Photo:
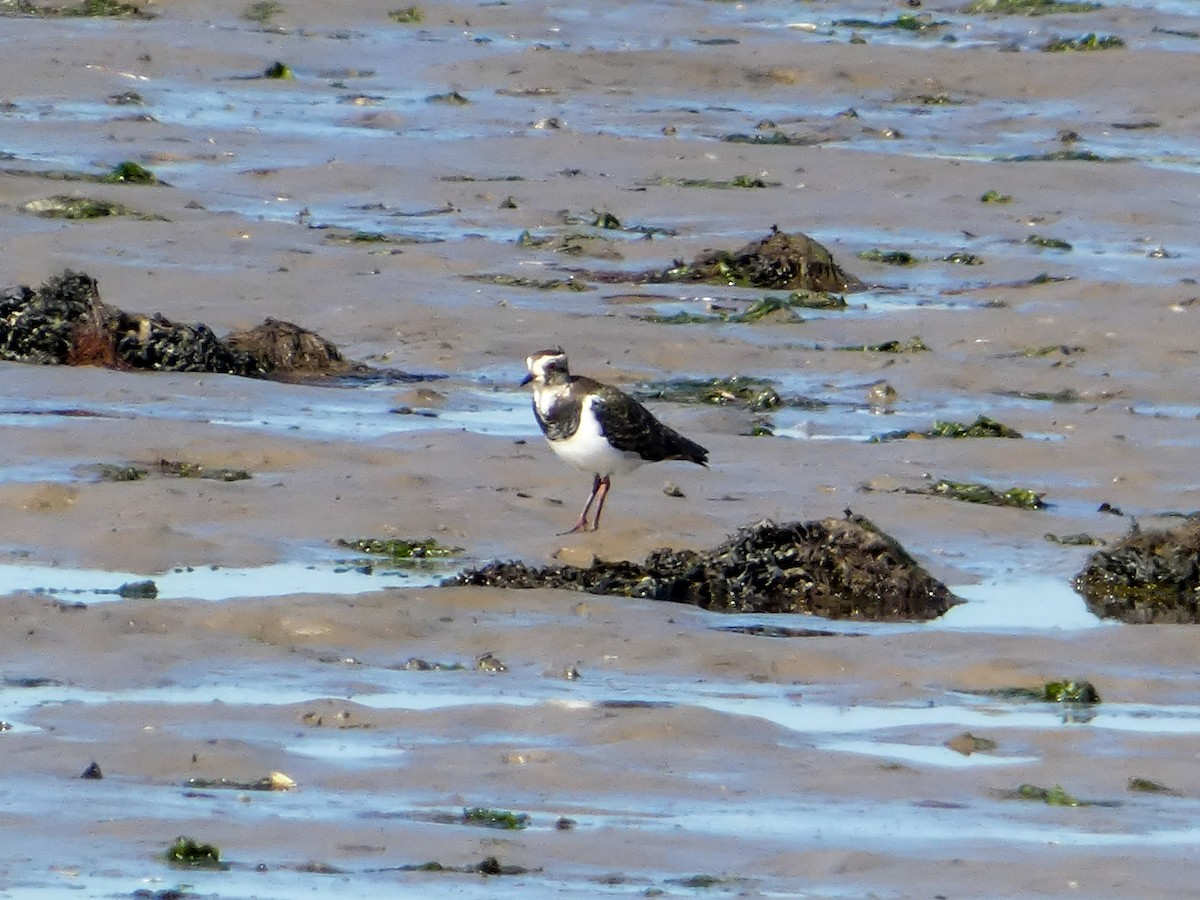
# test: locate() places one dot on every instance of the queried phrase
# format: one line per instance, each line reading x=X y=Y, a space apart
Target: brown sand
x=800 y=817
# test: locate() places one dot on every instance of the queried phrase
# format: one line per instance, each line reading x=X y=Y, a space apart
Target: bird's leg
x=602 y=492
x=581 y=525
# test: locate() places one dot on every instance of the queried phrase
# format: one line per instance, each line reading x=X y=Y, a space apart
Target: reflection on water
x=216 y=582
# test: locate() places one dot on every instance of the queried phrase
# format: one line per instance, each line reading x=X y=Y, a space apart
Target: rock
x=780 y=261
x=838 y=568
x=284 y=347
x=1147 y=576
x=65 y=322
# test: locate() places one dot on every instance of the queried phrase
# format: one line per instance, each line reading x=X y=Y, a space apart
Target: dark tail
x=686 y=449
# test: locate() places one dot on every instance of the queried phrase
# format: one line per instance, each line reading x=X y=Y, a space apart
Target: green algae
x=1029 y=7
x=765 y=309
x=939 y=99
x=970 y=492
x=602 y=218
x=61 y=206
x=912 y=345
x=279 y=70
x=129 y=172
x=126 y=98
x=1089 y=41
x=119 y=473
x=188 y=853
x=736 y=182
x=450 y=98
x=775 y=138
x=1149 y=786
x=486 y=662
x=1175 y=32
x=185 y=469
x=1066 y=395
x=138 y=590
x=758 y=394
x=1048 y=243
x=358 y=236
x=537 y=284
x=889 y=257
x=495 y=818
x=699 y=881
x=88 y=9
x=398 y=549
x=779 y=261
x=408 y=15
x=570 y=243
x=993 y=196
x=827 y=300
x=904 y=22
x=1076 y=539
x=1070 y=690
x=962 y=258
x=262 y=11
x=480 y=179
x=1038 y=352
x=982 y=427
x=1055 y=796
x=417 y=664
x=276 y=781
x=1062 y=156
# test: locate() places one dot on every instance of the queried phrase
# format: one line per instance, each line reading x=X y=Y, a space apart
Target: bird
x=598 y=428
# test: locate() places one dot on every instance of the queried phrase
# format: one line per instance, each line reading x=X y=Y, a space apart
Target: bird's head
x=547 y=367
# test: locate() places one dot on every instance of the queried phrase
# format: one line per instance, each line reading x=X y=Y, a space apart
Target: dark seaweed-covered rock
x=1148 y=576
x=65 y=322
x=284 y=347
x=155 y=342
x=779 y=261
x=40 y=325
x=839 y=568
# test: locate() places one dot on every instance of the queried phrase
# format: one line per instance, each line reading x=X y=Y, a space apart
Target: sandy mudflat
x=778 y=766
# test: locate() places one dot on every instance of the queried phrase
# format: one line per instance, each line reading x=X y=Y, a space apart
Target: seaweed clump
x=1148 y=576
x=284 y=347
x=839 y=568
x=65 y=322
x=186 y=852
x=89 y=9
x=780 y=261
x=1030 y=7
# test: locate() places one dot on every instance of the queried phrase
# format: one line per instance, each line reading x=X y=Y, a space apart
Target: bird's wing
x=631 y=427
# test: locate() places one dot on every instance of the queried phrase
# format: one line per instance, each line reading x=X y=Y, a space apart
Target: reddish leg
x=605 y=484
x=581 y=525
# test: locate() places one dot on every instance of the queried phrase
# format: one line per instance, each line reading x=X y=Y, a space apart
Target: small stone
x=575 y=556
x=967 y=743
x=881 y=394
x=671 y=489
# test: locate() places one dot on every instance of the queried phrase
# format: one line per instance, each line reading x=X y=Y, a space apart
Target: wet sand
x=804 y=766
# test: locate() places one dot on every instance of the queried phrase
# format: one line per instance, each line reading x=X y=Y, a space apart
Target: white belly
x=590 y=450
